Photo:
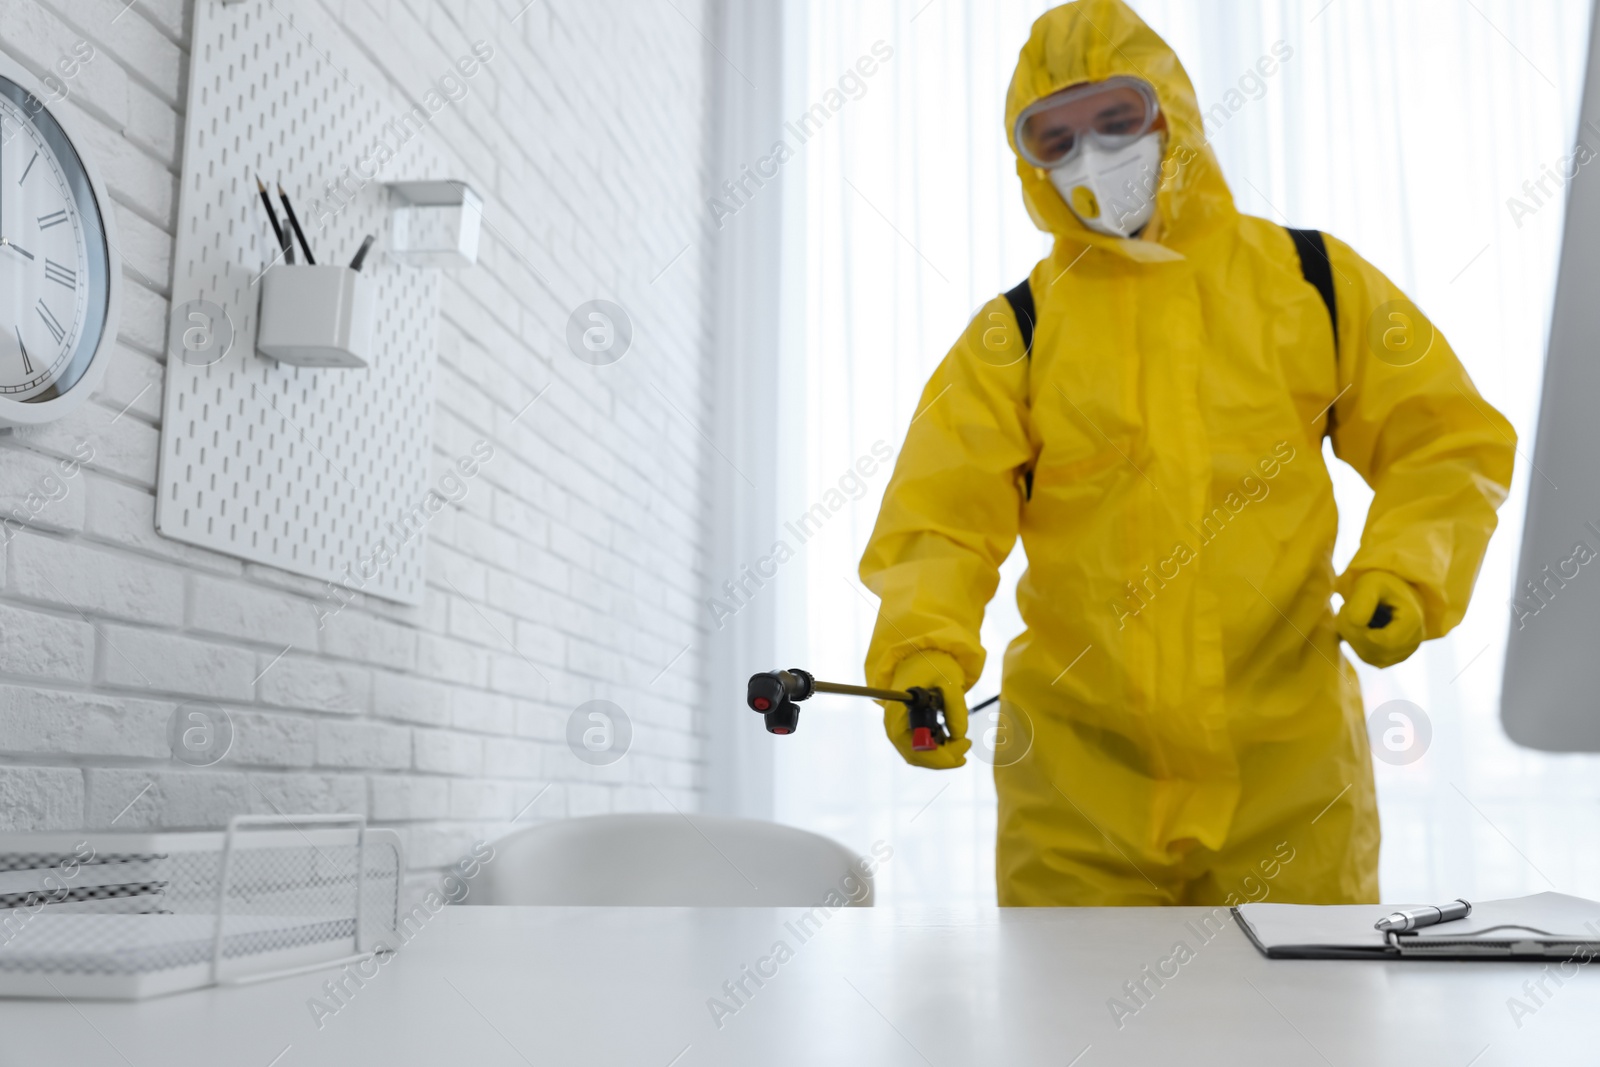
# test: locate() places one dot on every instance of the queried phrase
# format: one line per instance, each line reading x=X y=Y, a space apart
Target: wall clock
x=60 y=275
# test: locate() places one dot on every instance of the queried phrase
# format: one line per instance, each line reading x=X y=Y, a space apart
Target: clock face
x=53 y=258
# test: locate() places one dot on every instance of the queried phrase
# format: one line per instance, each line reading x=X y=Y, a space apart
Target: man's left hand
x=1382 y=618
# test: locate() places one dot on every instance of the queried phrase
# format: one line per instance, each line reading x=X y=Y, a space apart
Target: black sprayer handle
x=927 y=719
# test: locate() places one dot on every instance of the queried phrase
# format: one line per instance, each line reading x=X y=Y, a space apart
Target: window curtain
x=1407 y=130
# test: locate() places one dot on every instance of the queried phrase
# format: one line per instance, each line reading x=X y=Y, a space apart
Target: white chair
x=671 y=860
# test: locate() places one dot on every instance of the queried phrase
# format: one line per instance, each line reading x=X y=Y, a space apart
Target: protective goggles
x=1116 y=112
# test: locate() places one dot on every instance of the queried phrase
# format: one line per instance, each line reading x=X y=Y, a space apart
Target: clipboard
x=1543 y=926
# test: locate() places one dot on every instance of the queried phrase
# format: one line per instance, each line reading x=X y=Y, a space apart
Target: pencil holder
x=316 y=316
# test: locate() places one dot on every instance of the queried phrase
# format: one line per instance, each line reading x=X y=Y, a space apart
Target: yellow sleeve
x=1437 y=455
x=950 y=513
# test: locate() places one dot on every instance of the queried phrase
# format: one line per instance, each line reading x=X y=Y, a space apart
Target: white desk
x=487 y=987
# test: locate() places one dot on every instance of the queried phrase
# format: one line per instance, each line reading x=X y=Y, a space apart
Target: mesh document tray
x=133 y=915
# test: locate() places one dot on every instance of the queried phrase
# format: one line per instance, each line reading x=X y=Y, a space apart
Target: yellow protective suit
x=1198 y=736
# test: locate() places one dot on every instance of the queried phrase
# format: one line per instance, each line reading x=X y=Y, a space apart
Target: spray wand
x=777 y=695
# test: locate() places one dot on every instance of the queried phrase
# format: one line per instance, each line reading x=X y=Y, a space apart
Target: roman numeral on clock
x=55 y=218
x=56 y=329
x=55 y=272
x=27 y=367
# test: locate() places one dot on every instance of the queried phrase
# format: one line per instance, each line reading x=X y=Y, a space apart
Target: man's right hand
x=930 y=670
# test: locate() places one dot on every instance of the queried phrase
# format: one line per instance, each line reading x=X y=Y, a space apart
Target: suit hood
x=1091 y=40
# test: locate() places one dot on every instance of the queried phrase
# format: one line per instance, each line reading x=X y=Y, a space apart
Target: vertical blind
x=1406 y=130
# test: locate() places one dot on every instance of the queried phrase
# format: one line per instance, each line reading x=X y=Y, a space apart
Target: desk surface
x=513 y=986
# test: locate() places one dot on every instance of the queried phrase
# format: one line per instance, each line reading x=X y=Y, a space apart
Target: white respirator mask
x=1112 y=190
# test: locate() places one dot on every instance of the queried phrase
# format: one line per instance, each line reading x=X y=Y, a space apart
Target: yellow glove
x=1382 y=618
x=930 y=670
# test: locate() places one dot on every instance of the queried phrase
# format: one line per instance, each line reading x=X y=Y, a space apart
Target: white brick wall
x=571 y=569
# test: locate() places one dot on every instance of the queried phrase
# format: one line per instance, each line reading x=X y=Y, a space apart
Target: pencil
x=272 y=217
x=361 y=253
x=288 y=210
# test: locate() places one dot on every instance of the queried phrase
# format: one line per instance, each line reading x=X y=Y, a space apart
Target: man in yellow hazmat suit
x=1147 y=413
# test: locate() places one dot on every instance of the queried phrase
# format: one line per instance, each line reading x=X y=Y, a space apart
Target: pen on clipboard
x=288 y=210
x=1416 y=918
x=277 y=228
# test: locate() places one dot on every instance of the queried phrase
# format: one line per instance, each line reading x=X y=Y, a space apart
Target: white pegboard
x=310 y=470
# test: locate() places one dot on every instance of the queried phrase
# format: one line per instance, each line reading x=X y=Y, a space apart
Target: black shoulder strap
x=1318 y=270
x=1021 y=301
